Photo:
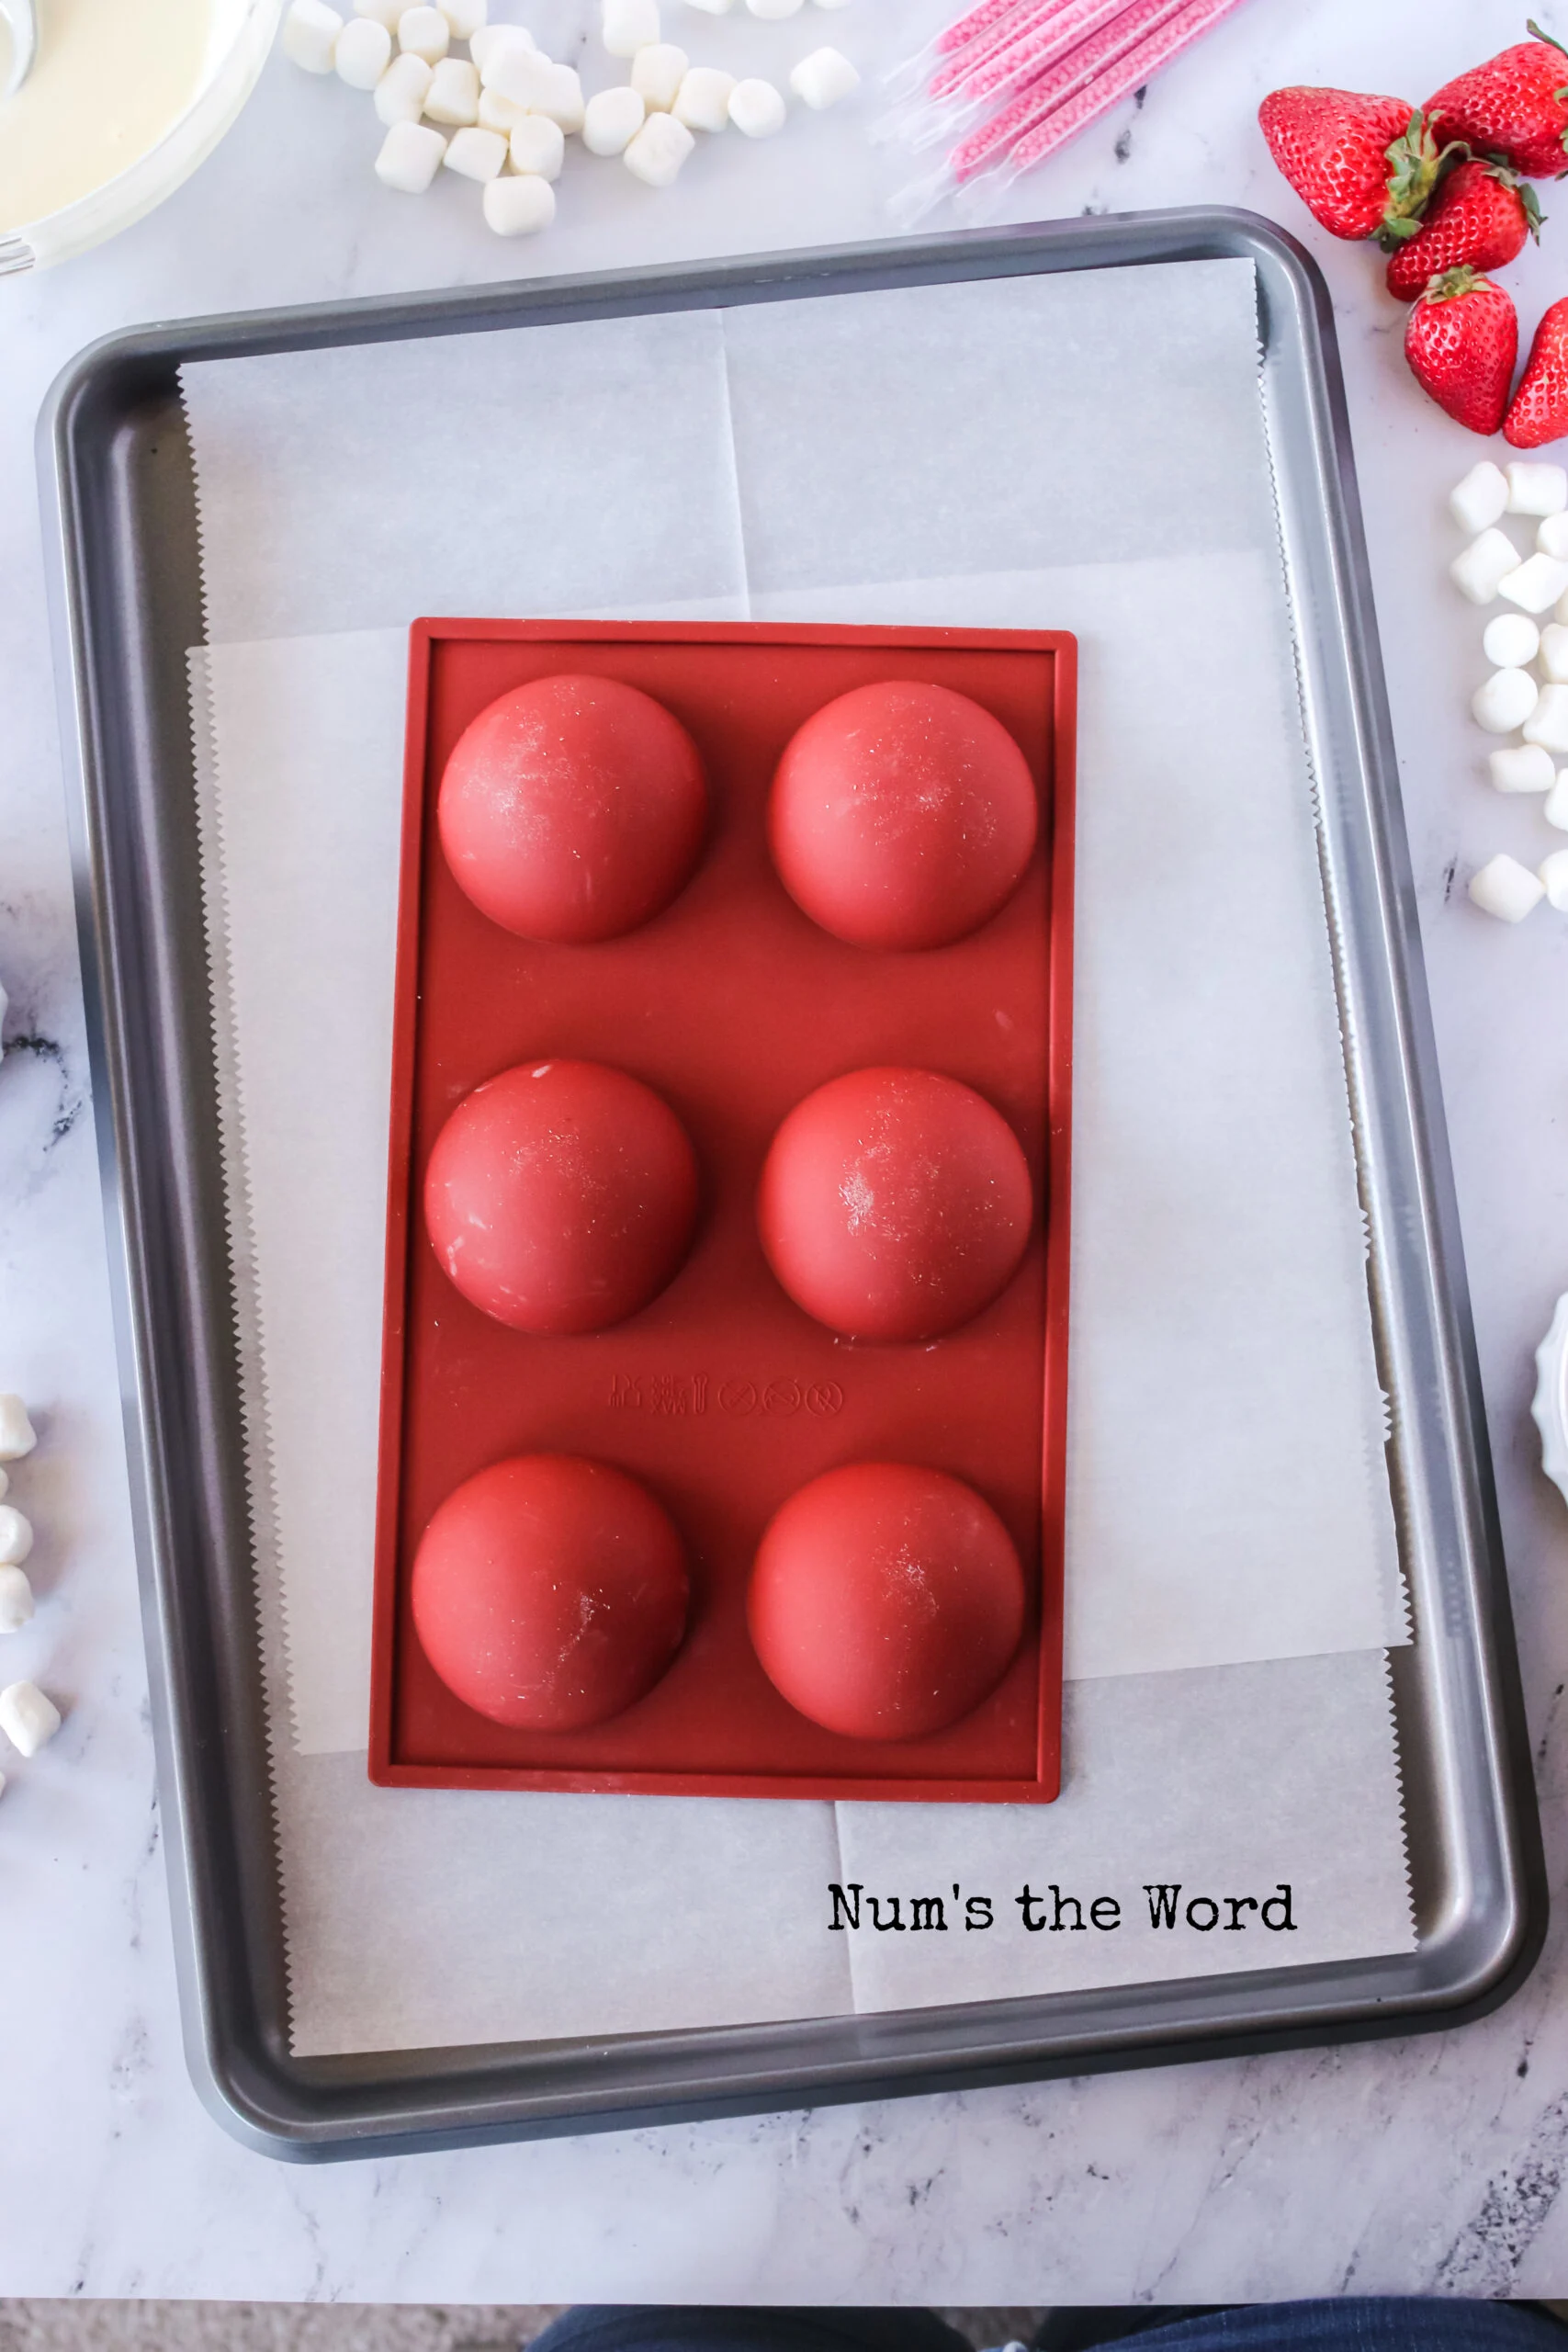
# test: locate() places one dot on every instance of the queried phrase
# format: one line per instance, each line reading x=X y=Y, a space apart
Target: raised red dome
x=902 y=816
x=573 y=809
x=894 y=1204
x=885 y=1601
x=561 y=1196
x=549 y=1593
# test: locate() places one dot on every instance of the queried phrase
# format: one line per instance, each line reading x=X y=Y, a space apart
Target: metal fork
x=22 y=17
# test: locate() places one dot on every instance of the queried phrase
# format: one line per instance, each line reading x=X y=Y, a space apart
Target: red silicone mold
x=724 y=1406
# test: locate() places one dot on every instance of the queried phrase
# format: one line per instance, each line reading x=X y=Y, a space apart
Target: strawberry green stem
x=1498 y=168
x=1552 y=43
x=1417 y=163
x=1449 y=284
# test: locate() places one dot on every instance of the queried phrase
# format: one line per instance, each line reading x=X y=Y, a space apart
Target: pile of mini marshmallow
x=1511 y=701
x=27 y=1717
x=508 y=104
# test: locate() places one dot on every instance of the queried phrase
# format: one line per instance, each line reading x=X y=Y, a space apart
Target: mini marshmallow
x=16 y=1601
x=773 y=9
x=757 y=108
x=538 y=148
x=489 y=39
x=1481 y=499
x=658 y=73
x=532 y=82
x=1553 y=871
x=1546 y=724
x=611 y=120
x=658 y=151
x=410 y=158
x=15 y=1536
x=1536 y=490
x=362 y=53
x=1510 y=640
x=464 y=17
x=1535 y=583
x=310 y=35
x=1554 y=653
x=1554 y=808
x=497 y=113
x=823 y=78
x=1505 y=701
x=562 y=99
x=382 y=12
x=401 y=91
x=28 y=1719
x=629 y=25
x=702 y=102
x=475 y=154
x=17 y=1433
x=1551 y=537
x=4 y=1485
x=1522 y=767
x=1486 y=561
x=1502 y=887
x=425 y=32
x=519 y=206
x=453 y=94
x=521 y=76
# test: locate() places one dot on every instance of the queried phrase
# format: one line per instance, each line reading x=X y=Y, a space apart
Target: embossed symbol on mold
x=660 y=1392
x=685 y=1394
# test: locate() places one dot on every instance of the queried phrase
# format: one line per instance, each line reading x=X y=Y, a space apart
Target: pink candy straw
x=1022 y=18
x=1054 y=105
x=996 y=136
x=1030 y=53
x=1001 y=19
x=1073 y=74
x=1130 y=72
x=978 y=21
x=1017 y=64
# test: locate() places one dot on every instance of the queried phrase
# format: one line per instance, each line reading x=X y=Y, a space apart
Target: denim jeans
x=1359 y=2324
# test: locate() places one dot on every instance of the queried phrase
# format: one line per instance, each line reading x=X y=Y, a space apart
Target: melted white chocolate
x=111 y=77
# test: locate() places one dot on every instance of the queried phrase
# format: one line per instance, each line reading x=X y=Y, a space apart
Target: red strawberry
x=1515 y=107
x=1539 y=409
x=1461 y=341
x=1362 y=166
x=1482 y=214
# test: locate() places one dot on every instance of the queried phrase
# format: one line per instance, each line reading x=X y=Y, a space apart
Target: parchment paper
x=817 y=458
x=357 y=488
x=532 y=1918
x=721 y=1909
x=1228 y=1501
x=1232 y=1782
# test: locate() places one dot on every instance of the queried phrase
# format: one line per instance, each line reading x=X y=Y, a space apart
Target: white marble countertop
x=1437 y=2163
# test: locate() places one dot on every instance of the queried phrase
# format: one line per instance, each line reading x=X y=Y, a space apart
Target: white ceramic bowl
x=236 y=50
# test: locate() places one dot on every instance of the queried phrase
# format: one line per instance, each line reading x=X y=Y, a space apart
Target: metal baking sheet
x=121 y=540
